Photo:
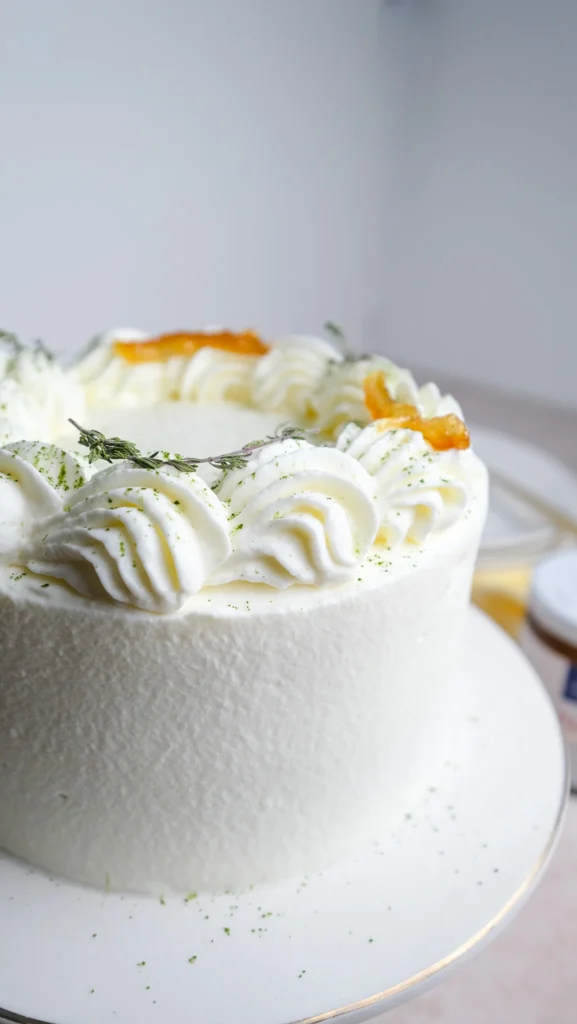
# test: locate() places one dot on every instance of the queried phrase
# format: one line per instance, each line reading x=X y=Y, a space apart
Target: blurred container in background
x=549 y=638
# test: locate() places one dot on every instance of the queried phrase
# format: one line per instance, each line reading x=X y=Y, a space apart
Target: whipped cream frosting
x=108 y=380
x=146 y=538
x=418 y=491
x=299 y=514
x=208 y=376
x=16 y=412
x=255 y=735
x=34 y=480
x=36 y=394
x=287 y=376
x=281 y=381
x=211 y=683
x=341 y=399
x=211 y=376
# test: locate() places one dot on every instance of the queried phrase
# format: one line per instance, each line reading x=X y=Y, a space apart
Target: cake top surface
x=157 y=467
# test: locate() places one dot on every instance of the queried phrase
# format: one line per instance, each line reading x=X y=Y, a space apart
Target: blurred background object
x=549 y=639
x=406 y=169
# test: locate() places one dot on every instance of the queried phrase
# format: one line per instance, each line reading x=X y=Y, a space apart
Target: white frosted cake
x=232 y=599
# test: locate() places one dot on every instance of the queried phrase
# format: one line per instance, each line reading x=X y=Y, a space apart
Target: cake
x=232 y=599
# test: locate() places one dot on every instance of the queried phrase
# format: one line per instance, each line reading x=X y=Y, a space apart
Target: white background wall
x=174 y=162
x=482 y=277
x=409 y=171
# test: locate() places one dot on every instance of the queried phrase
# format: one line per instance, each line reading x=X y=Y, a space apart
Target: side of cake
x=226 y=669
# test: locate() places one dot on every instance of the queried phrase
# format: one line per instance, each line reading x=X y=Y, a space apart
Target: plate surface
x=348 y=944
x=514 y=531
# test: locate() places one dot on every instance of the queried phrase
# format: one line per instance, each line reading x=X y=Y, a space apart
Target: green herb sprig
x=12 y=341
x=112 y=449
x=339 y=336
x=41 y=349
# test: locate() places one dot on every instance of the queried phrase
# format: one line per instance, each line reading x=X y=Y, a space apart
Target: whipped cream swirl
x=299 y=514
x=138 y=537
x=427 y=399
x=35 y=479
x=109 y=380
x=340 y=398
x=286 y=377
x=210 y=375
x=419 y=491
x=17 y=418
x=282 y=380
x=36 y=395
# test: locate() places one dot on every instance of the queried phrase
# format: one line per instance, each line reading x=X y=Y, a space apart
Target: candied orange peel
x=441 y=432
x=186 y=343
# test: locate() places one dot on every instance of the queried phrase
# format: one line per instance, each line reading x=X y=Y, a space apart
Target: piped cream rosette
x=385 y=464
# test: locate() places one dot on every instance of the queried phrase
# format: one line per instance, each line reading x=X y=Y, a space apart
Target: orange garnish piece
x=377 y=396
x=441 y=432
x=186 y=343
x=397 y=423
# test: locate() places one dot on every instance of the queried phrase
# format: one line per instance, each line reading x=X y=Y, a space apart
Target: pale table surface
x=529 y=974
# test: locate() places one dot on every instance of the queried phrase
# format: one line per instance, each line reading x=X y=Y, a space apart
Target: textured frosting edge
x=296 y=514
x=379 y=568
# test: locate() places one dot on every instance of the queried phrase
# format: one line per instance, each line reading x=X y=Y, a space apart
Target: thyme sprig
x=112 y=449
x=12 y=341
x=41 y=348
x=349 y=355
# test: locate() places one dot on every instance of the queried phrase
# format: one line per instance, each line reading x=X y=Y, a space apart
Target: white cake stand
x=346 y=945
